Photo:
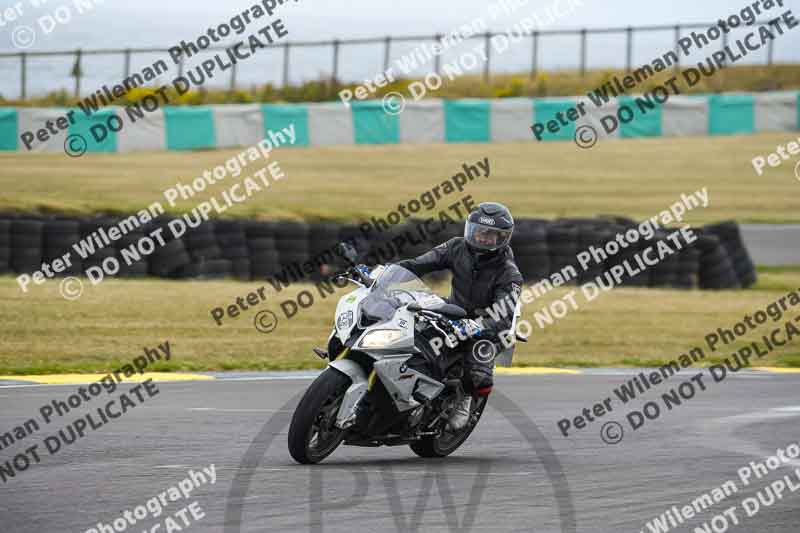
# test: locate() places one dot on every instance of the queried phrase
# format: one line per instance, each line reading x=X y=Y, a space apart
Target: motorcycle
x=385 y=384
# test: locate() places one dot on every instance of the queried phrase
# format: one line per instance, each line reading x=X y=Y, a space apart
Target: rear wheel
x=313 y=434
x=447 y=441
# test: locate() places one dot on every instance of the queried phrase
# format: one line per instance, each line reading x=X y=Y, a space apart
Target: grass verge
x=112 y=323
x=637 y=178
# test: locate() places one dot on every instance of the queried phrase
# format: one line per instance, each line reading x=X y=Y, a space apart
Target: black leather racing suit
x=479 y=282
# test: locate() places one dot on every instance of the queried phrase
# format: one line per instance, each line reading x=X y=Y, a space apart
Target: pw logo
x=487 y=220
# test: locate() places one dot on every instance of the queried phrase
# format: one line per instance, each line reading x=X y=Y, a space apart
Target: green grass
x=637 y=178
x=112 y=323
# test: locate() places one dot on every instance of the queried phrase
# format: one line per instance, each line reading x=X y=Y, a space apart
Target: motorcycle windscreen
x=395 y=288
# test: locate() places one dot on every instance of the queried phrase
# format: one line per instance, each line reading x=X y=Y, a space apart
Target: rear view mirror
x=348 y=251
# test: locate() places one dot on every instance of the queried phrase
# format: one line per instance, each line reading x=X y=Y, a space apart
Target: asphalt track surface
x=773 y=244
x=516 y=473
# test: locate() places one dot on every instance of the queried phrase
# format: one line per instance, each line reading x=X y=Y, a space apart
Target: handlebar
x=438 y=322
x=433 y=316
x=355 y=272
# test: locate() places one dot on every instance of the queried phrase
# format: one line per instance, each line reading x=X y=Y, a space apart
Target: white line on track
x=404 y=472
x=269 y=378
x=239 y=410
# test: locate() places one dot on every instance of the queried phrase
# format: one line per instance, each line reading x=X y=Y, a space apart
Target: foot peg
x=321 y=353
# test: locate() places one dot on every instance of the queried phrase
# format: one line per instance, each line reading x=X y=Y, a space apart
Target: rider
x=484 y=275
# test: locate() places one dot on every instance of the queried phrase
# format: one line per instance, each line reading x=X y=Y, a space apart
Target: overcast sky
x=149 y=22
x=163 y=23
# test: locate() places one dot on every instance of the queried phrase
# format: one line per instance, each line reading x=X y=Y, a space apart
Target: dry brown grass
x=637 y=178
x=113 y=321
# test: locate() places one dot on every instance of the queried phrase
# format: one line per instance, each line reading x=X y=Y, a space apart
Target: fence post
x=677 y=48
x=583 y=52
x=77 y=71
x=286 y=64
x=127 y=62
x=535 y=55
x=387 y=51
x=437 y=63
x=335 y=75
x=180 y=66
x=629 y=50
x=724 y=46
x=233 y=78
x=24 y=78
x=487 y=68
x=770 y=51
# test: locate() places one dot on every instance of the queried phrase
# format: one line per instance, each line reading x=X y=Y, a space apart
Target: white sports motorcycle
x=385 y=384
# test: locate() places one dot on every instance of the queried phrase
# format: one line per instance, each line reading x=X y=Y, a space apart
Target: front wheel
x=313 y=434
x=447 y=442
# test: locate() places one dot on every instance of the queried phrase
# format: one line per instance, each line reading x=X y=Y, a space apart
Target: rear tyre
x=447 y=442
x=313 y=435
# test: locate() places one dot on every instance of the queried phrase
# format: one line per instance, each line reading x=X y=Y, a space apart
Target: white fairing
x=402 y=382
x=347 y=313
x=390 y=347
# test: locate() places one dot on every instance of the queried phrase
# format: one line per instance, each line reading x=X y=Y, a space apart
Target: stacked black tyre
x=731 y=239
x=591 y=235
x=94 y=233
x=419 y=240
x=322 y=242
x=716 y=268
x=295 y=251
x=291 y=240
x=201 y=243
x=26 y=245
x=5 y=246
x=642 y=277
x=664 y=274
x=380 y=247
x=446 y=231
x=59 y=236
x=407 y=241
x=264 y=259
x=687 y=275
x=205 y=253
x=133 y=252
x=169 y=260
x=529 y=244
x=231 y=236
x=562 y=247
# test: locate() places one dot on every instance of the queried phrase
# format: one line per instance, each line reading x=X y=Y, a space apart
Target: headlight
x=380 y=338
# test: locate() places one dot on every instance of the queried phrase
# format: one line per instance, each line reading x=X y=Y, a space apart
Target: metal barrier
x=582 y=33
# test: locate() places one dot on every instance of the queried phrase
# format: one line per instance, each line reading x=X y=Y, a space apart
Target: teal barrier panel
x=646 y=117
x=189 y=128
x=373 y=125
x=95 y=130
x=8 y=129
x=731 y=114
x=467 y=121
x=545 y=110
x=279 y=116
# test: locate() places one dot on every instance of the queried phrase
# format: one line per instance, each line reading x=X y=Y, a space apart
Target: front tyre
x=447 y=442
x=313 y=434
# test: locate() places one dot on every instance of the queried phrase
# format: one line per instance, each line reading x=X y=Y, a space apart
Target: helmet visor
x=487 y=238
